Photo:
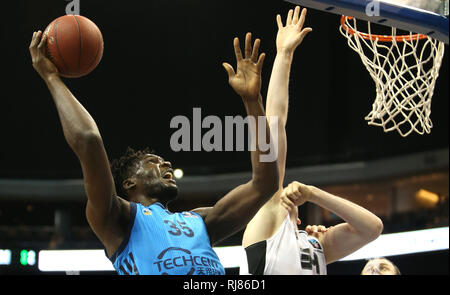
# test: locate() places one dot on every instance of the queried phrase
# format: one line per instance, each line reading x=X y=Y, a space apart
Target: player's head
x=140 y=172
x=380 y=266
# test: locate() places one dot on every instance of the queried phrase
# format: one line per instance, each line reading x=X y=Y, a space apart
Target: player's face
x=376 y=267
x=156 y=177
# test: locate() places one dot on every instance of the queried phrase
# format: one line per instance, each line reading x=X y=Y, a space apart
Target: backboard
x=427 y=17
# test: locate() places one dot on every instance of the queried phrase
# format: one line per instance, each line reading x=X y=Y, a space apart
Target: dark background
x=163 y=58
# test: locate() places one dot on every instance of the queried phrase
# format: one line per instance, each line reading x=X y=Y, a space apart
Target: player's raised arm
x=234 y=211
x=360 y=226
x=83 y=137
x=289 y=37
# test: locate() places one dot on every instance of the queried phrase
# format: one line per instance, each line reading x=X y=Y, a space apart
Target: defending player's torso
x=287 y=252
x=162 y=242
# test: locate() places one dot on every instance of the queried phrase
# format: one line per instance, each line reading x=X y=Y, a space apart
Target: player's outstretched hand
x=292 y=34
x=41 y=63
x=246 y=81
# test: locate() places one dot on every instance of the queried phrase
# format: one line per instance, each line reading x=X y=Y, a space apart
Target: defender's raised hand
x=246 y=81
x=291 y=35
x=41 y=63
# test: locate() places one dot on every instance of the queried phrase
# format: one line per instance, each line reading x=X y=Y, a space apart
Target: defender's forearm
x=78 y=125
x=264 y=173
x=278 y=91
x=278 y=102
x=361 y=220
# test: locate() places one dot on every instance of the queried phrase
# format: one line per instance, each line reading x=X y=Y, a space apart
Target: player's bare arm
x=289 y=37
x=360 y=226
x=104 y=209
x=232 y=213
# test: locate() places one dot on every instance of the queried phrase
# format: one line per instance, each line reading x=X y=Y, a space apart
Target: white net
x=404 y=70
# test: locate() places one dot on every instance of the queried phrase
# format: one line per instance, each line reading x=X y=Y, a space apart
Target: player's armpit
x=266 y=222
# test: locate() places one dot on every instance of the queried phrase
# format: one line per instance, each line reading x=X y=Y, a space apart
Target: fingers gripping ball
x=74 y=45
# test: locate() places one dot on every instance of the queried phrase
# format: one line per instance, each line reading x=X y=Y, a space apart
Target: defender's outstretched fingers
x=279 y=22
x=260 y=63
x=229 y=69
x=289 y=17
x=248 y=45
x=301 y=22
x=237 y=49
x=305 y=32
x=296 y=14
x=256 y=45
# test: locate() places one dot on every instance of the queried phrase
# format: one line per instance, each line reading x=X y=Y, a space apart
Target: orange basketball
x=74 y=45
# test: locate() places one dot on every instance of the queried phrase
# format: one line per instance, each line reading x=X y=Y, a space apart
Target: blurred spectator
x=380 y=266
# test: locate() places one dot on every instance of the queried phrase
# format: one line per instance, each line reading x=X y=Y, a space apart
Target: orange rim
x=382 y=38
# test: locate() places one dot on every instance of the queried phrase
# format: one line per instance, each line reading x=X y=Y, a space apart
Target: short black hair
x=122 y=168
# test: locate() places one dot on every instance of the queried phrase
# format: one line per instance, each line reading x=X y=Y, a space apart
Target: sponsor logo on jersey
x=315 y=243
x=168 y=262
x=146 y=211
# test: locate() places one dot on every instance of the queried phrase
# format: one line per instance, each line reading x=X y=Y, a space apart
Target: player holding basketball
x=272 y=242
x=126 y=206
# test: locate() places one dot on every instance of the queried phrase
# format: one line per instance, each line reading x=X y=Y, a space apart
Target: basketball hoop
x=404 y=69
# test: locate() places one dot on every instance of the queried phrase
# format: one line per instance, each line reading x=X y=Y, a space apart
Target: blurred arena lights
x=5 y=257
x=73 y=260
x=403 y=243
x=233 y=256
x=27 y=257
x=178 y=173
x=426 y=199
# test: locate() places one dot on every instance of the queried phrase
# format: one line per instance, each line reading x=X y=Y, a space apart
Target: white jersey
x=288 y=252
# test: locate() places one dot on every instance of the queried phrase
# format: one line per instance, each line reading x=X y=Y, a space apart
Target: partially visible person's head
x=140 y=172
x=380 y=266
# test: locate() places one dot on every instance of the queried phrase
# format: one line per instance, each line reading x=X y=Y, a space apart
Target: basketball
x=74 y=45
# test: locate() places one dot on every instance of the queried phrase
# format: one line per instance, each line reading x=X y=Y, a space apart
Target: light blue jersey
x=163 y=243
